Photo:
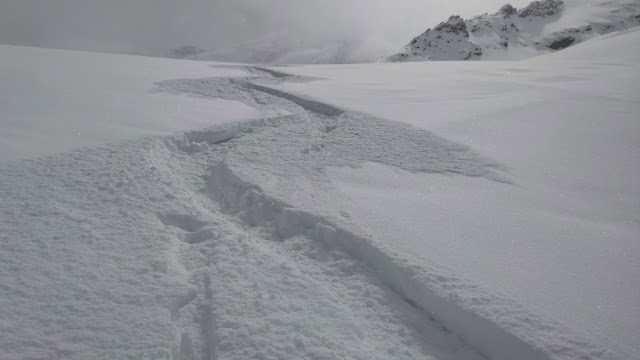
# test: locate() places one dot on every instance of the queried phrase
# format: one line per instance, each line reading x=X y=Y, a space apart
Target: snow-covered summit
x=539 y=28
x=447 y=41
x=455 y=25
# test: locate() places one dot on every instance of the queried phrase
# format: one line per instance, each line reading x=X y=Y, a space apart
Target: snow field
x=564 y=125
x=308 y=204
x=314 y=231
x=119 y=252
x=81 y=99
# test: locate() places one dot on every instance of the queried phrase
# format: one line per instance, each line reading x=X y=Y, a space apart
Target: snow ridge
x=542 y=9
x=516 y=34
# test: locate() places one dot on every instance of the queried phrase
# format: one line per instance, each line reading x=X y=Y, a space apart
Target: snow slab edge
x=490 y=323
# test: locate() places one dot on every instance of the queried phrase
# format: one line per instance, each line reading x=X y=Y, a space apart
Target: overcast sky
x=154 y=26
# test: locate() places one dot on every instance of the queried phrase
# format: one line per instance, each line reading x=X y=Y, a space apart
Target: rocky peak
x=455 y=25
x=542 y=8
x=489 y=36
x=507 y=10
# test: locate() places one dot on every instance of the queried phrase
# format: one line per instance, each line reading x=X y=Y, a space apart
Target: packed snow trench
x=232 y=242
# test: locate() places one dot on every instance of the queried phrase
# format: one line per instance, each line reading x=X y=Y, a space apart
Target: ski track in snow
x=171 y=248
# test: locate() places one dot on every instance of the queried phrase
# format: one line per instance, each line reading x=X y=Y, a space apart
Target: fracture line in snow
x=257 y=207
x=224 y=256
x=289 y=222
x=315 y=136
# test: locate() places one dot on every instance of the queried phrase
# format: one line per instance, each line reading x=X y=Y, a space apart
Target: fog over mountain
x=155 y=27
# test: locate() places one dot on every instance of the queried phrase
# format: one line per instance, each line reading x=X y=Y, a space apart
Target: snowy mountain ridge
x=511 y=34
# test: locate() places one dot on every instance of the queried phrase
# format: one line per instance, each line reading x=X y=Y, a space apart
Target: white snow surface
x=446 y=210
x=77 y=99
x=564 y=236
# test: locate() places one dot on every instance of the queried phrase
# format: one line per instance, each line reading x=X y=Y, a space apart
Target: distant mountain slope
x=185 y=52
x=283 y=48
x=540 y=27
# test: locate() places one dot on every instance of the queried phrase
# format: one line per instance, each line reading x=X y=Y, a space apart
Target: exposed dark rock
x=507 y=10
x=455 y=25
x=542 y=8
x=562 y=43
x=451 y=40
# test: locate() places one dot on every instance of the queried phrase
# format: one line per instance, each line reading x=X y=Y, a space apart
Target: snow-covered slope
x=563 y=239
x=449 y=41
x=460 y=210
x=135 y=249
x=58 y=100
x=540 y=27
